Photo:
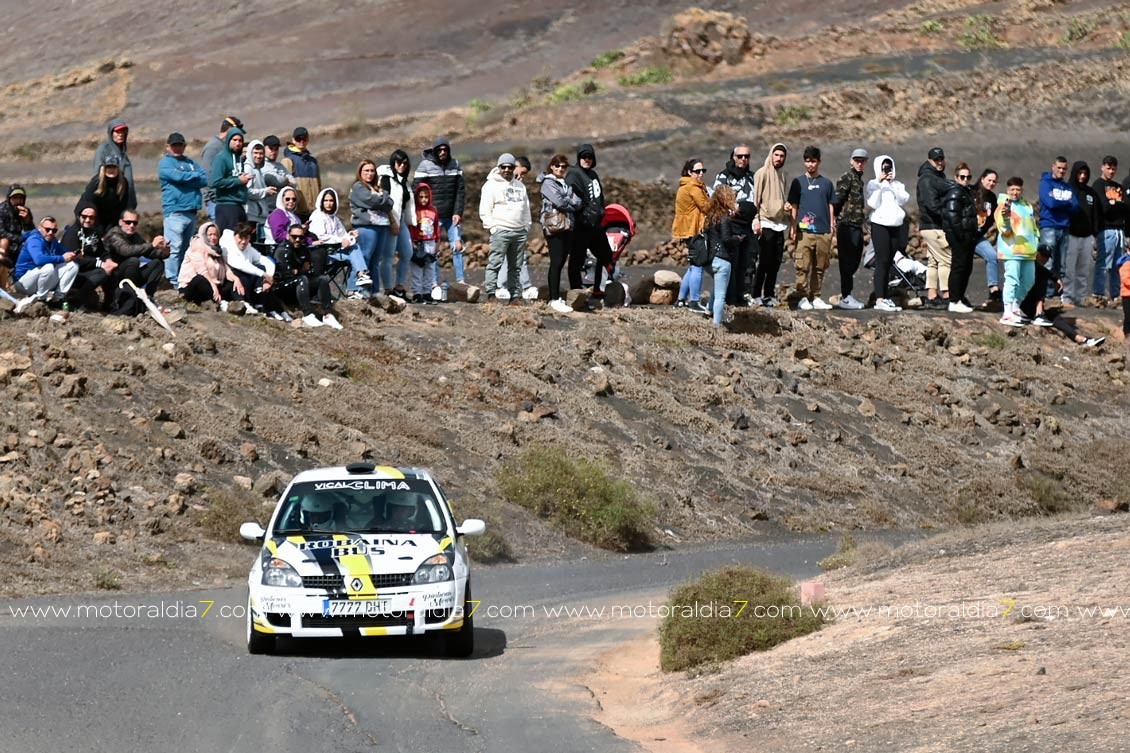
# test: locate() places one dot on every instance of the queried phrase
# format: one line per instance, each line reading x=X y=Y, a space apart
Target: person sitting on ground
x=329 y=231
x=94 y=265
x=45 y=271
x=139 y=261
x=691 y=203
x=260 y=193
x=886 y=197
x=425 y=239
x=297 y=272
x=108 y=192
x=254 y=271
x=724 y=235
x=1017 y=239
x=117 y=133
x=15 y=221
x=204 y=275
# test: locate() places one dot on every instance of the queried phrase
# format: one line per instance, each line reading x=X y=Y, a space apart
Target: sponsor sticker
x=362 y=485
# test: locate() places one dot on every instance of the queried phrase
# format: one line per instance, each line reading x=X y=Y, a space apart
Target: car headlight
x=279 y=573
x=435 y=569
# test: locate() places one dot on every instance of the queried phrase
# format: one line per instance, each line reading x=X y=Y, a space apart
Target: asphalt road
x=161 y=683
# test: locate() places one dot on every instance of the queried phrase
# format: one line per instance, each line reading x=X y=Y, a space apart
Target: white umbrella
x=154 y=310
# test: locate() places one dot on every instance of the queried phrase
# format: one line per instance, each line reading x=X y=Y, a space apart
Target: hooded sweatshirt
x=403 y=202
x=557 y=194
x=328 y=227
x=108 y=148
x=741 y=180
x=12 y=226
x=36 y=252
x=307 y=175
x=427 y=218
x=1085 y=219
x=1057 y=202
x=504 y=205
x=586 y=184
x=204 y=259
x=932 y=187
x=280 y=220
x=1018 y=236
x=1113 y=209
x=770 y=188
x=1123 y=264
x=691 y=203
x=260 y=202
x=369 y=206
x=449 y=190
x=226 y=169
x=886 y=199
x=181 y=180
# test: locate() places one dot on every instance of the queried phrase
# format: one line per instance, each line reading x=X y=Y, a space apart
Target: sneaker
x=820 y=304
x=679 y=304
x=804 y=305
x=249 y=309
x=696 y=307
x=957 y=307
x=530 y=293
x=310 y=320
x=417 y=298
x=751 y=301
x=1012 y=320
x=275 y=315
x=224 y=306
x=285 y=316
x=23 y=303
x=771 y=302
x=886 y=304
x=560 y=306
x=1041 y=321
x=502 y=294
x=849 y=303
x=364 y=280
x=330 y=320
x=1093 y=342
x=357 y=295
x=400 y=293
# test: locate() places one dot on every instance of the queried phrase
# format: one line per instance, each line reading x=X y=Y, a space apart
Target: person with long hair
x=691 y=203
x=723 y=236
x=204 y=275
x=108 y=192
x=985 y=197
x=557 y=196
x=396 y=181
x=369 y=208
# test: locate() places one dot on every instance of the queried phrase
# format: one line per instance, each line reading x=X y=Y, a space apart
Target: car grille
x=320 y=621
x=337 y=582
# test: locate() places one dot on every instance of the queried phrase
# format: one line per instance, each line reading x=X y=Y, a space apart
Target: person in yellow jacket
x=691 y=203
x=1018 y=238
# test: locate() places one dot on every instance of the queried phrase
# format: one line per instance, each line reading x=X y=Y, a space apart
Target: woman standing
x=558 y=204
x=723 y=236
x=886 y=197
x=691 y=203
x=985 y=197
x=369 y=207
x=396 y=182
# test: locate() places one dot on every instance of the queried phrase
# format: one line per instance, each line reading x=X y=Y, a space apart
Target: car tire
x=257 y=643
x=459 y=644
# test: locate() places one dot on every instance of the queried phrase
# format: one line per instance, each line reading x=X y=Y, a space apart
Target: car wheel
x=257 y=643
x=461 y=643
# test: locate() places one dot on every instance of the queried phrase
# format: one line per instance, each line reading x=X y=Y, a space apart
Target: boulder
x=663 y=297
x=666 y=279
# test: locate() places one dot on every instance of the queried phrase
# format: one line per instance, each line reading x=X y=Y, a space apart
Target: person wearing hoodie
x=1017 y=240
x=771 y=226
x=181 y=181
x=1081 y=231
x=425 y=237
x=1057 y=204
x=341 y=244
x=1122 y=264
x=229 y=182
x=558 y=196
x=274 y=172
x=213 y=147
x=204 y=275
x=886 y=197
x=117 y=133
x=691 y=204
x=504 y=209
x=304 y=167
x=286 y=200
x=94 y=266
x=394 y=179
x=932 y=188
x=45 y=270
x=15 y=220
x=1110 y=238
x=959 y=220
x=369 y=208
x=109 y=192
x=444 y=174
x=850 y=216
x=588 y=234
x=260 y=193
x=738 y=176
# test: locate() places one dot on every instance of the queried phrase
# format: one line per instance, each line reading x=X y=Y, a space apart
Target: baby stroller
x=908 y=272
x=619 y=229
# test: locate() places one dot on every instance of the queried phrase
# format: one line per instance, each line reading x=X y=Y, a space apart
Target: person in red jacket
x=425 y=235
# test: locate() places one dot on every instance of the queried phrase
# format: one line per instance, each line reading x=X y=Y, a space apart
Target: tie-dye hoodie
x=1018 y=233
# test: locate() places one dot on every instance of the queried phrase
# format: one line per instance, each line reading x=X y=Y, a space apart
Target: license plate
x=355 y=608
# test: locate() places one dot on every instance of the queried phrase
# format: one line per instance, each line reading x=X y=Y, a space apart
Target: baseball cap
x=506 y=158
x=121 y=127
x=301 y=133
x=859 y=154
x=233 y=122
x=936 y=153
x=175 y=138
x=272 y=141
x=111 y=160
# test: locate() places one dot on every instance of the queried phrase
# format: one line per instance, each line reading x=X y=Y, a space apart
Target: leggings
x=560 y=251
x=885 y=240
x=769 y=263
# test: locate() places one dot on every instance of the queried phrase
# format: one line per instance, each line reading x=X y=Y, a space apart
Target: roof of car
x=337 y=472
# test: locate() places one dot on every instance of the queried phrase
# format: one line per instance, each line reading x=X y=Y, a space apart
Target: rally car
x=361 y=550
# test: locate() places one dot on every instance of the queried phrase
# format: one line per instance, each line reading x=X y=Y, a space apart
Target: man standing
x=45 y=270
x=588 y=235
x=1110 y=238
x=444 y=175
x=849 y=226
x=932 y=188
x=127 y=248
x=115 y=144
x=739 y=177
x=229 y=182
x=774 y=216
x=1057 y=203
x=505 y=212
x=811 y=196
x=274 y=173
x=304 y=167
x=959 y=220
x=261 y=195
x=214 y=146
x=181 y=182
x=15 y=220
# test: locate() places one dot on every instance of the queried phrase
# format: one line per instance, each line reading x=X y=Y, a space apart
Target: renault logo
x=356 y=584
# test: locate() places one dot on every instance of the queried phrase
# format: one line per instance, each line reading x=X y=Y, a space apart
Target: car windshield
x=360 y=506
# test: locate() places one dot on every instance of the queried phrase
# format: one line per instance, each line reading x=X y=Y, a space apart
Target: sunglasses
x=964 y=177
x=505 y=167
x=289 y=199
x=86 y=216
x=699 y=172
x=741 y=156
x=49 y=229
x=129 y=222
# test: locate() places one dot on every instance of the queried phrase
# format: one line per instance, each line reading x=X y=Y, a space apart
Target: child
x=1016 y=247
x=1124 y=275
x=425 y=233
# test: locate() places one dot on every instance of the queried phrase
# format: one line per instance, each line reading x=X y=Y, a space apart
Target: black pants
x=849 y=245
x=885 y=240
x=298 y=292
x=591 y=239
x=146 y=276
x=740 y=271
x=1126 y=315
x=561 y=251
x=229 y=215
x=961 y=266
x=769 y=263
x=199 y=290
x=90 y=278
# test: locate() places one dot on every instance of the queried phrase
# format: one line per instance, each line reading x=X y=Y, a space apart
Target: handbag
x=700 y=255
x=555 y=222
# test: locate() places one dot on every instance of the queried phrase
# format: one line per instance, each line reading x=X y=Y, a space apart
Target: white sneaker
x=23 y=303
x=530 y=293
x=805 y=305
x=311 y=321
x=886 y=304
x=356 y=295
x=848 y=302
x=1010 y=319
x=502 y=294
x=560 y=306
x=958 y=307
x=331 y=321
x=1093 y=342
x=820 y=304
x=286 y=317
x=364 y=280
x=275 y=315
x=249 y=309
x=770 y=302
x=224 y=306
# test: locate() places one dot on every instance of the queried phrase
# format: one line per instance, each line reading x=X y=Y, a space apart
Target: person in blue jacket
x=1057 y=204
x=181 y=181
x=44 y=269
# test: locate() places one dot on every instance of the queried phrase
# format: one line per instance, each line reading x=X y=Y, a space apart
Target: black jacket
x=932 y=188
x=723 y=238
x=1085 y=219
x=121 y=246
x=959 y=215
x=586 y=184
x=109 y=205
x=1113 y=209
x=449 y=191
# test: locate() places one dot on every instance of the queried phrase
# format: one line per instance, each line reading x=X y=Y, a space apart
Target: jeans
x=691 y=287
x=986 y=251
x=454 y=235
x=178 y=230
x=509 y=247
x=1056 y=239
x=523 y=276
x=356 y=258
x=402 y=245
x=371 y=242
x=721 y=269
x=1106 y=282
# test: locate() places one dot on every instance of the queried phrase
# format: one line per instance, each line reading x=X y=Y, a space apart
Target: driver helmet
x=401 y=510
x=317 y=512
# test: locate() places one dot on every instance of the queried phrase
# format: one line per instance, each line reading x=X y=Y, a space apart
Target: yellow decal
x=374 y=631
x=445 y=544
x=356 y=567
x=388 y=471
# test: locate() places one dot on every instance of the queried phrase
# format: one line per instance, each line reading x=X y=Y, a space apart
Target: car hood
x=355 y=554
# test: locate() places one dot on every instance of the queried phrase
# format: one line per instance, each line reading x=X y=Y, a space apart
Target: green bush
x=580 y=497
x=106 y=579
x=931 y=27
x=990 y=340
x=574 y=91
x=1077 y=30
x=688 y=640
x=605 y=59
x=1124 y=41
x=980 y=33
x=491 y=547
x=792 y=115
x=226 y=511
x=659 y=74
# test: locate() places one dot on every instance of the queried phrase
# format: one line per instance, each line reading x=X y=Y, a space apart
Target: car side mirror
x=471 y=527
x=252 y=531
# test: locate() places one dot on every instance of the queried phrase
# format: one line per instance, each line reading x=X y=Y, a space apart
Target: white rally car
x=361 y=550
